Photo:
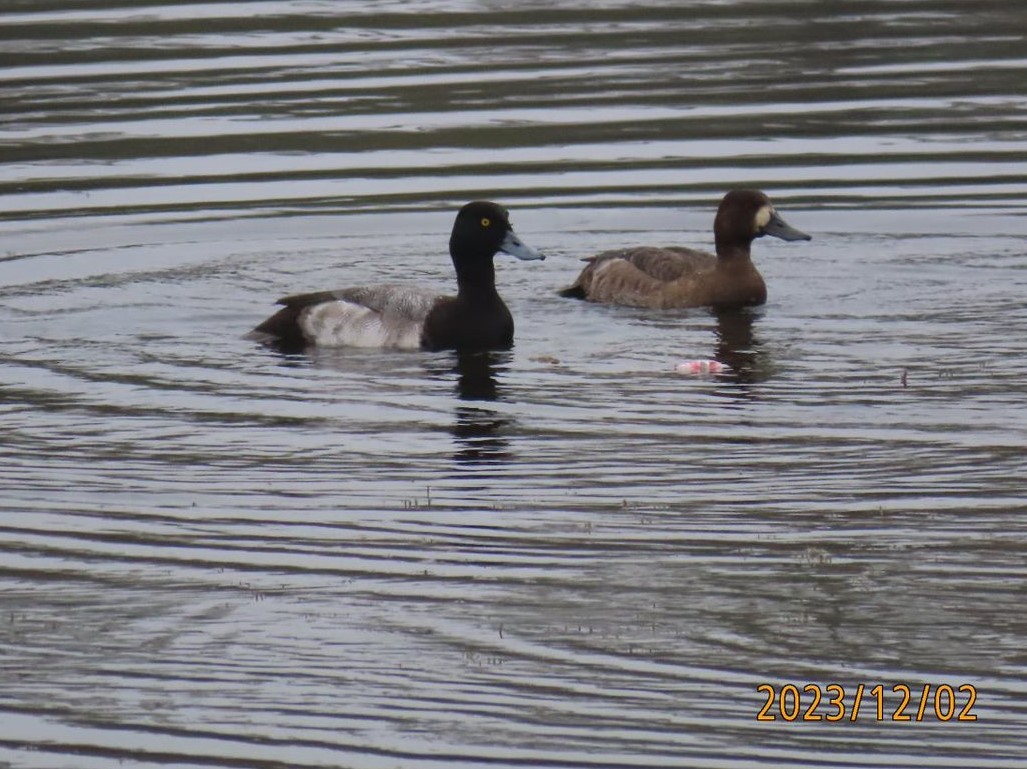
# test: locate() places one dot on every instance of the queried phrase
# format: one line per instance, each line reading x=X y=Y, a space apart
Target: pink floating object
x=700 y=367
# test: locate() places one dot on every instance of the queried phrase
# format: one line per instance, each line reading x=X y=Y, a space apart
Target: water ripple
x=563 y=555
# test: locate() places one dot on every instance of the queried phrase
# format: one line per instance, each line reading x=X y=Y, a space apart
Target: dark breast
x=455 y=324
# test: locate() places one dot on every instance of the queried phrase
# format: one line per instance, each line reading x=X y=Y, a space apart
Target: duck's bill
x=779 y=228
x=514 y=246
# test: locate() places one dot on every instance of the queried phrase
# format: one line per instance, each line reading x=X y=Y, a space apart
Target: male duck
x=683 y=277
x=409 y=317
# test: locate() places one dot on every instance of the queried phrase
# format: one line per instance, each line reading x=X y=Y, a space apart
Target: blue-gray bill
x=779 y=228
x=514 y=246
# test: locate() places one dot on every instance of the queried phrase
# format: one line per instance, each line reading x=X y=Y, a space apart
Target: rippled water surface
x=566 y=554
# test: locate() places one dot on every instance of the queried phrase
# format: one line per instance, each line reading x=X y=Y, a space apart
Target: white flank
x=395 y=318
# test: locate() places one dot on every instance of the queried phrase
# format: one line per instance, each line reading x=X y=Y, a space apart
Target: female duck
x=684 y=277
x=409 y=317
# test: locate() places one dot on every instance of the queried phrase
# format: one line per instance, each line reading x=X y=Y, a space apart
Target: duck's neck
x=733 y=251
x=475 y=278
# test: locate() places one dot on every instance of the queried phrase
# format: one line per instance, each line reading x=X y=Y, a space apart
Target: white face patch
x=763 y=217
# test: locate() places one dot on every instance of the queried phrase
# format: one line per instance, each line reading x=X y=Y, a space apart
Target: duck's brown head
x=745 y=215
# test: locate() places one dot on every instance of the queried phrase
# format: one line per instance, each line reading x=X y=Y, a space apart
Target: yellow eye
x=486 y=222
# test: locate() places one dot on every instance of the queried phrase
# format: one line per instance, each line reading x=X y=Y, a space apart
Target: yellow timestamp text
x=879 y=702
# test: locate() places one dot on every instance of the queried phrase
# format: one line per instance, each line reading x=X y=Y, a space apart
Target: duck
x=673 y=276
x=410 y=317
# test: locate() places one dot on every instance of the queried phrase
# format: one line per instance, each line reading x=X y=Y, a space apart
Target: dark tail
x=281 y=331
x=573 y=292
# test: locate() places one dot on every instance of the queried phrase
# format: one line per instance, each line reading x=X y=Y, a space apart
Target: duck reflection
x=739 y=348
x=478 y=430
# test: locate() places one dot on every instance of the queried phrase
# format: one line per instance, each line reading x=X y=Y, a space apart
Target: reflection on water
x=480 y=437
x=476 y=374
x=565 y=554
x=738 y=346
x=478 y=430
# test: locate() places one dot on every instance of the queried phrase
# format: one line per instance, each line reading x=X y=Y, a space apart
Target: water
x=561 y=555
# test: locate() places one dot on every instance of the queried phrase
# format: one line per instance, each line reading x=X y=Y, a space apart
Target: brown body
x=673 y=276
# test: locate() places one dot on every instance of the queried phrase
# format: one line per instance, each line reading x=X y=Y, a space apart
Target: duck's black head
x=745 y=215
x=482 y=229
